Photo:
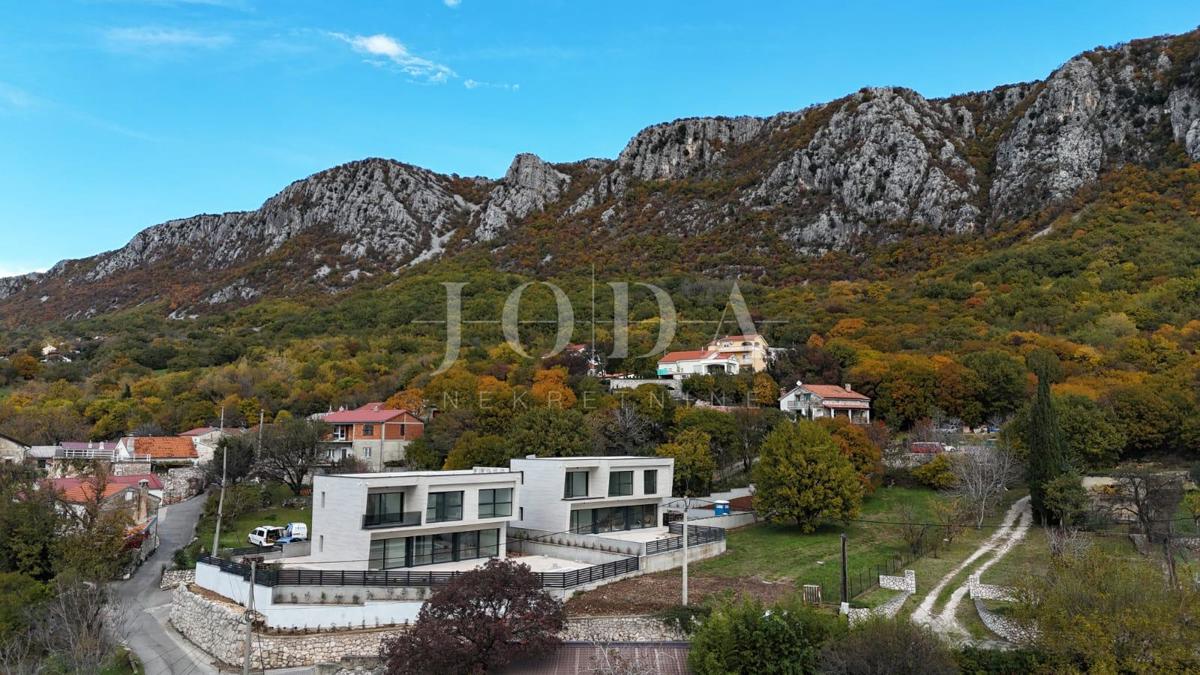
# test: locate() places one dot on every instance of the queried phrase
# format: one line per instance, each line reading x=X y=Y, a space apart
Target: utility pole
x=845 y=581
x=249 y=617
x=686 y=506
x=221 y=500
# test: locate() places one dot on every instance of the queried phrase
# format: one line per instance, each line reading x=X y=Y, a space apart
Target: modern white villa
x=593 y=495
x=381 y=542
x=409 y=519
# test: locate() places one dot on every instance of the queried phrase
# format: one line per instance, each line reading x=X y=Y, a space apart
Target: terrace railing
x=375 y=520
x=403 y=578
x=698 y=535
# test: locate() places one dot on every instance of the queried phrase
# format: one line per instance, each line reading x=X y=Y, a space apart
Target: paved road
x=162 y=650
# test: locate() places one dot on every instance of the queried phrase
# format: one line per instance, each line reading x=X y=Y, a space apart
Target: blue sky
x=119 y=114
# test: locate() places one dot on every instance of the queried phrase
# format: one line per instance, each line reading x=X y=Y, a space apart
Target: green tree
x=858 y=446
x=803 y=477
x=720 y=427
x=937 y=473
x=694 y=464
x=474 y=449
x=1046 y=446
x=1066 y=499
x=1003 y=381
x=549 y=432
x=1104 y=614
x=242 y=450
x=743 y=637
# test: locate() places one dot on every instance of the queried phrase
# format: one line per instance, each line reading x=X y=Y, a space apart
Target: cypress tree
x=1047 y=447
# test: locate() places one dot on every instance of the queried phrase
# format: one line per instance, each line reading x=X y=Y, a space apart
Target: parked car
x=265 y=535
x=294 y=532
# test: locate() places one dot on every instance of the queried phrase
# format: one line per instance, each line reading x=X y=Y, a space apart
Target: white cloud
x=452 y=4
x=15 y=98
x=476 y=84
x=151 y=37
x=387 y=50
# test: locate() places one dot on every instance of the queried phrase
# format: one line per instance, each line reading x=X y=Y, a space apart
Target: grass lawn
x=782 y=552
x=235 y=530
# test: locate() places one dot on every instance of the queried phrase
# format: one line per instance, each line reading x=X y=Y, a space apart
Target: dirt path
x=1013 y=529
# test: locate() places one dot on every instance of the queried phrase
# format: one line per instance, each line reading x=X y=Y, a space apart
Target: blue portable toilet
x=721 y=507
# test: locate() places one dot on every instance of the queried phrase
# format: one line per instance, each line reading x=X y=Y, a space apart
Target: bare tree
x=1068 y=542
x=612 y=661
x=983 y=476
x=1149 y=498
x=912 y=531
x=82 y=624
x=290 y=452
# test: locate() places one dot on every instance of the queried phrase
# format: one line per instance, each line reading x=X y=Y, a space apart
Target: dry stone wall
x=215 y=626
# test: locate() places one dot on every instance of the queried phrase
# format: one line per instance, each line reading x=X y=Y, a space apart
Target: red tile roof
x=696 y=355
x=833 y=391
x=164 y=447
x=77 y=490
x=371 y=413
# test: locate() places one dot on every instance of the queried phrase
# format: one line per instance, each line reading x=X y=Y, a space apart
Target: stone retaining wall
x=173 y=578
x=1003 y=626
x=620 y=629
x=183 y=483
x=907 y=585
x=215 y=627
x=982 y=591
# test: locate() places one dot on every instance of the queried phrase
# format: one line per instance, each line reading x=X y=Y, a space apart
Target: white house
x=812 y=401
x=592 y=495
x=750 y=351
x=410 y=518
x=679 y=365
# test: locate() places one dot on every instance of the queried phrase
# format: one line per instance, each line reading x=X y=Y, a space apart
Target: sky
x=119 y=114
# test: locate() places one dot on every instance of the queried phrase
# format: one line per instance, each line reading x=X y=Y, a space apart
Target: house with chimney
x=814 y=401
x=373 y=433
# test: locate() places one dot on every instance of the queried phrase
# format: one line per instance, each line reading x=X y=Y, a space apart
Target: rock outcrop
x=866 y=168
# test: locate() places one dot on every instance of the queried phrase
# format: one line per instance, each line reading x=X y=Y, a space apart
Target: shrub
x=937 y=473
x=888 y=646
x=741 y=636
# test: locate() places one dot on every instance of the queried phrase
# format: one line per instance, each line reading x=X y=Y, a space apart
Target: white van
x=294 y=532
x=265 y=535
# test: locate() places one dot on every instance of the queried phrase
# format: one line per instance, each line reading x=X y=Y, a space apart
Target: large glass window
x=385 y=503
x=650 y=481
x=444 y=506
x=495 y=503
x=489 y=543
x=577 y=484
x=388 y=553
x=450 y=547
x=443 y=547
x=581 y=521
x=620 y=483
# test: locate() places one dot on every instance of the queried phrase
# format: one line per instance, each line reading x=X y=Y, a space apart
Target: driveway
x=161 y=649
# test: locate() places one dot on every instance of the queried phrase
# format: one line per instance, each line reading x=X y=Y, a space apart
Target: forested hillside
x=918 y=249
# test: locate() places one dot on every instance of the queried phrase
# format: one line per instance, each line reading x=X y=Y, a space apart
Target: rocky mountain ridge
x=838 y=176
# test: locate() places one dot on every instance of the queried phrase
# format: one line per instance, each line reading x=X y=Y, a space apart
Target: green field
x=782 y=553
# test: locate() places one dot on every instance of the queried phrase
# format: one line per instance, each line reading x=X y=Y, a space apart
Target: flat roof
x=591 y=458
x=490 y=471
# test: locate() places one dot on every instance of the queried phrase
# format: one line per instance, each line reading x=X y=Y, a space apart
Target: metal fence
x=253 y=550
x=866 y=578
x=403 y=578
x=698 y=535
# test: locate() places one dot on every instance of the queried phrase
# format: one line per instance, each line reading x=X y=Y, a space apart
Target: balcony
x=376 y=520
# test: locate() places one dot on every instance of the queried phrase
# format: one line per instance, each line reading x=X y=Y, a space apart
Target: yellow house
x=750 y=351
